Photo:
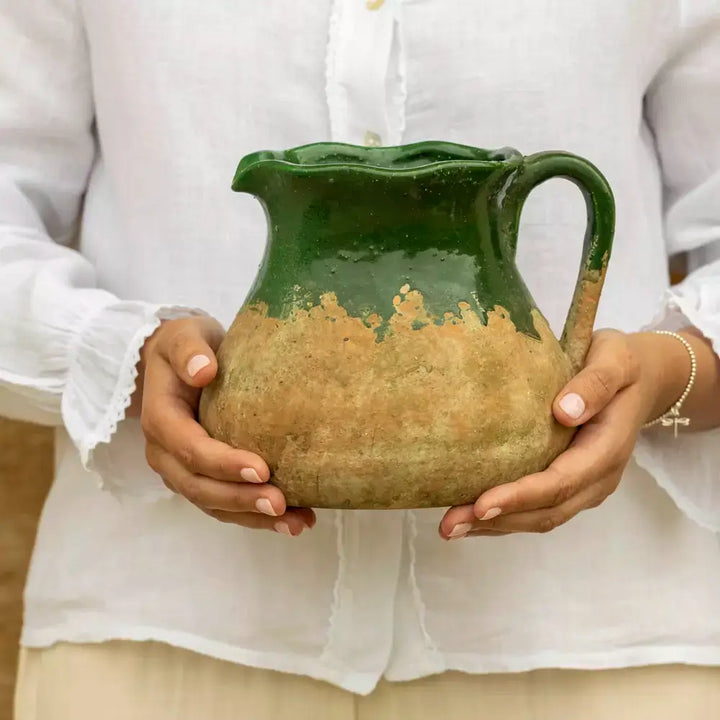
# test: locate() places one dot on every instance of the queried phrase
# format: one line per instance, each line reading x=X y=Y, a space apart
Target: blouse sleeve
x=683 y=109
x=68 y=349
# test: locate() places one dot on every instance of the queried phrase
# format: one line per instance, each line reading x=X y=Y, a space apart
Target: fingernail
x=250 y=475
x=196 y=364
x=460 y=530
x=283 y=528
x=491 y=513
x=573 y=405
x=265 y=506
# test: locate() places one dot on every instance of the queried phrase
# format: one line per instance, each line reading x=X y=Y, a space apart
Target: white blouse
x=120 y=128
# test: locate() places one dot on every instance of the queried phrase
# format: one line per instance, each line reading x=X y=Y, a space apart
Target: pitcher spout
x=252 y=171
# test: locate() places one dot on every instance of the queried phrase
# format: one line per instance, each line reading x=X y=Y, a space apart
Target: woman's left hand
x=624 y=381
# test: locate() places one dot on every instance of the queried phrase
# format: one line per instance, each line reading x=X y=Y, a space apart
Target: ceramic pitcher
x=389 y=354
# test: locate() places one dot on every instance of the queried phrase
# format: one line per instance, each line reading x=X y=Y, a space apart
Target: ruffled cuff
x=688 y=468
x=98 y=391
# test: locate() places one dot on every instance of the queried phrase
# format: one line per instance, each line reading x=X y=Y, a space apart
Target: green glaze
x=443 y=218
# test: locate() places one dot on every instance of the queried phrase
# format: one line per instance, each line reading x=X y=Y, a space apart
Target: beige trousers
x=150 y=681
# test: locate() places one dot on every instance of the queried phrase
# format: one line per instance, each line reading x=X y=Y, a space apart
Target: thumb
x=607 y=371
x=189 y=346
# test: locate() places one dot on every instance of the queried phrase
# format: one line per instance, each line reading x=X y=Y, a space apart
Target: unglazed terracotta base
x=428 y=417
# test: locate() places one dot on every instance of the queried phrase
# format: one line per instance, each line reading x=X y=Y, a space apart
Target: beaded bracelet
x=672 y=417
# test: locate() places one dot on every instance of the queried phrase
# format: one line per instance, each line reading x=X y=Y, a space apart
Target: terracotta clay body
x=389 y=354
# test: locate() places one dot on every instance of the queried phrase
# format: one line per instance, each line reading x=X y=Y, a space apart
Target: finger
x=459 y=522
x=549 y=488
x=547 y=519
x=292 y=523
x=557 y=484
x=168 y=420
x=189 y=346
x=610 y=367
x=211 y=494
x=485 y=533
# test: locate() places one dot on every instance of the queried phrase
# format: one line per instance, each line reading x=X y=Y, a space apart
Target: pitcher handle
x=536 y=169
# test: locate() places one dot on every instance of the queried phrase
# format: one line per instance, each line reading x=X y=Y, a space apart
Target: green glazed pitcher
x=389 y=354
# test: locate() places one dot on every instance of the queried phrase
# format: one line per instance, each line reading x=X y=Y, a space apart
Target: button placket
x=360 y=50
x=365 y=591
x=363 y=111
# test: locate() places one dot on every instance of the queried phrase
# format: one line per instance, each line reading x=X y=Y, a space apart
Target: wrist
x=665 y=368
x=135 y=407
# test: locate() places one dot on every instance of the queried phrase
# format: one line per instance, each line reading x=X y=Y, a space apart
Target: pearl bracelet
x=672 y=417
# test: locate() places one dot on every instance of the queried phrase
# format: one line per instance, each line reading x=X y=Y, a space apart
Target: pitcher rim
x=411 y=158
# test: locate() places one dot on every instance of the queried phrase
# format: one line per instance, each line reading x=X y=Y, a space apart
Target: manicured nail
x=250 y=475
x=196 y=364
x=460 y=530
x=491 y=513
x=265 y=506
x=573 y=405
x=283 y=528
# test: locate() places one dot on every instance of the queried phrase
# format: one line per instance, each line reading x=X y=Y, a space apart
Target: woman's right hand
x=231 y=485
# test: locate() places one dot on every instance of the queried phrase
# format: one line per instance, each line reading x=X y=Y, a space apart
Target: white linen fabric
x=120 y=126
